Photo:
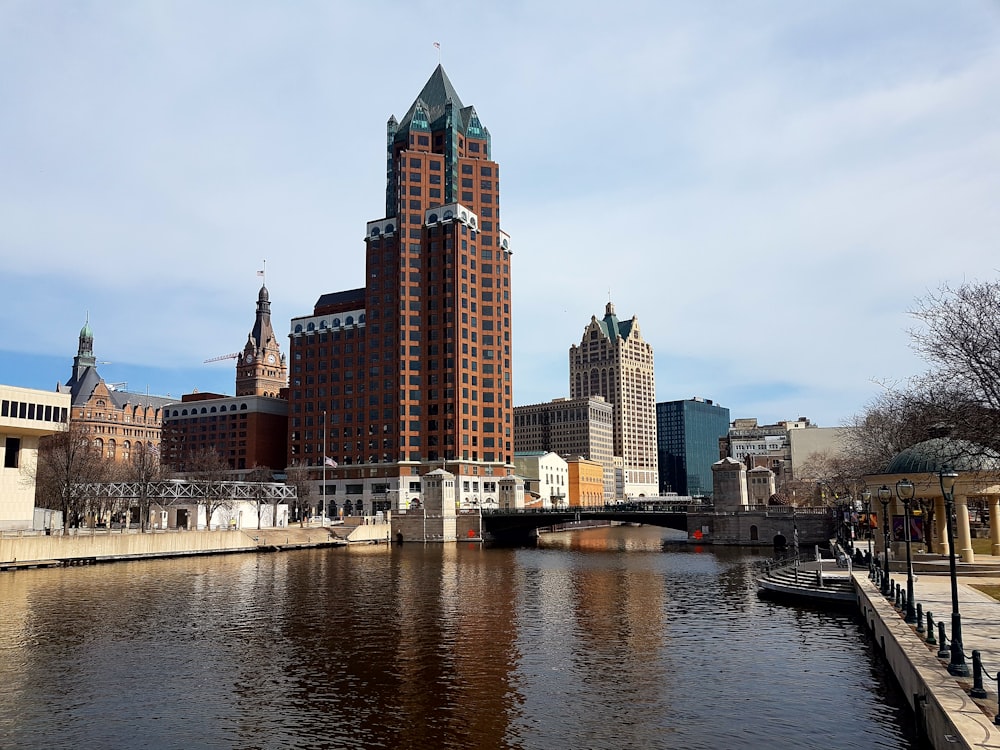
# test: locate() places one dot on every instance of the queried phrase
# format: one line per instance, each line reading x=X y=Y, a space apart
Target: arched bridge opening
x=520 y=526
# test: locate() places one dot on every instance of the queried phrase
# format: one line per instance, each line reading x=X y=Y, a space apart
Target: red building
x=413 y=371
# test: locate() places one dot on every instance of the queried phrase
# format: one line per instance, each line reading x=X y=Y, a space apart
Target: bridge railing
x=779 y=510
x=645 y=507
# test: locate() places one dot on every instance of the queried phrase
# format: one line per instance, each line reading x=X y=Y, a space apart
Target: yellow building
x=586 y=482
x=26 y=415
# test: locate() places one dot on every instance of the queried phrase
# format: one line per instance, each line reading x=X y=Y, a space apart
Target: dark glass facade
x=687 y=442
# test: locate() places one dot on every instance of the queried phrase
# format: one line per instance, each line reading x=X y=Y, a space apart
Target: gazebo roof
x=936 y=454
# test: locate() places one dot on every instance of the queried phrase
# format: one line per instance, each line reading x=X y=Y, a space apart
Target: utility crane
x=234 y=355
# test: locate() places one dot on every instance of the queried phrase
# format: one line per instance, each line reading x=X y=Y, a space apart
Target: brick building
x=248 y=430
x=571 y=428
x=118 y=423
x=413 y=371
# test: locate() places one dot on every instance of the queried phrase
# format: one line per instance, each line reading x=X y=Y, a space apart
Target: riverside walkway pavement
x=980 y=632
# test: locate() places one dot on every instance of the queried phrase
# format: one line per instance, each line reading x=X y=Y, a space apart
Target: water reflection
x=605 y=638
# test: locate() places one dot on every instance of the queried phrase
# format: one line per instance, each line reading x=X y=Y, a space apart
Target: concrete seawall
x=24 y=551
x=944 y=710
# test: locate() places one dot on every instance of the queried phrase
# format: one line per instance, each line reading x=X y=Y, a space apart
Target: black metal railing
x=925 y=626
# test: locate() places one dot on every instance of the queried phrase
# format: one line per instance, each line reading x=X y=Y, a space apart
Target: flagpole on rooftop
x=323 y=492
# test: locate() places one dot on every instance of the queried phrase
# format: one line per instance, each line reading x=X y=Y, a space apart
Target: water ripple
x=601 y=639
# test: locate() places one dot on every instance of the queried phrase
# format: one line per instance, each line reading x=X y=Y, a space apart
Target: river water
x=600 y=639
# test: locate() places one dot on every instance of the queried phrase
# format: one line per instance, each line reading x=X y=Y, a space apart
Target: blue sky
x=768 y=186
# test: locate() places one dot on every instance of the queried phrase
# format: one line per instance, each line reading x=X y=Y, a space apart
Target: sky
x=768 y=187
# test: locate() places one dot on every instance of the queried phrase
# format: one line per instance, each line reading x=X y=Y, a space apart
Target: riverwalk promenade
x=941 y=702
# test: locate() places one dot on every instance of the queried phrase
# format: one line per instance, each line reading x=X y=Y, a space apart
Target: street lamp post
x=884 y=495
x=905 y=491
x=957 y=665
x=866 y=498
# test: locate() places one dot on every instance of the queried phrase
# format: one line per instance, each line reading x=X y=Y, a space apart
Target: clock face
x=249 y=359
x=270 y=358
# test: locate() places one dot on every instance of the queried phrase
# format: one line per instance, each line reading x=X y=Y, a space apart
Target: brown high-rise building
x=413 y=371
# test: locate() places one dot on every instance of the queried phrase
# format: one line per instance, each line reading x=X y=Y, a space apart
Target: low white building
x=546 y=477
x=26 y=416
x=240 y=514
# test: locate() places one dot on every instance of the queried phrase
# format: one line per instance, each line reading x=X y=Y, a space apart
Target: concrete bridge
x=763 y=525
x=512 y=526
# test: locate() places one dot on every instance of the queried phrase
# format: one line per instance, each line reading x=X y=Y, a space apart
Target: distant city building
x=26 y=416
x=615 y=362
x=546 y=478
x=760 y=485
x=412 y=372
x=806 y=445
x=247 y=431
x=586 y=482
x=118 y=423
x=687 y=437
x=763 y=445
x=580 y=427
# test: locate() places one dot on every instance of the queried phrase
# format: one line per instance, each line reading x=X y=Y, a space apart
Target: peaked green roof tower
x=438 y=115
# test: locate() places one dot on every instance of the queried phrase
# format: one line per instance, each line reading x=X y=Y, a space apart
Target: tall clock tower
x=261 y=368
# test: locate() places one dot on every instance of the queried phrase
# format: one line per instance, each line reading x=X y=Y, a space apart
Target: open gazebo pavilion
x=978 y=470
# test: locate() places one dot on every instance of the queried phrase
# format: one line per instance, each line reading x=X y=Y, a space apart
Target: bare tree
x=213 y=471
x=299 y=478
x=260 y=475
x=959 y=395
x=832 y=476
x=959 y=336
x=143 y=470
x=67 y=463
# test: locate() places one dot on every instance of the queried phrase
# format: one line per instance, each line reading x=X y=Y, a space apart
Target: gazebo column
x=941 y=518
x=964 y=535
x=930 y=525
x=994 y=506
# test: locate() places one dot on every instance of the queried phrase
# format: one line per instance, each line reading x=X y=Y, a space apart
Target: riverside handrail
x=942 y=642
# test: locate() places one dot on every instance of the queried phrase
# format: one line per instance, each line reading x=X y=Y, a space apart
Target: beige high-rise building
x=613 y=361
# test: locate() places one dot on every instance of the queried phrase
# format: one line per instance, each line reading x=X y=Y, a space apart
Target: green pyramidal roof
x=612 y=327
x=432 y=100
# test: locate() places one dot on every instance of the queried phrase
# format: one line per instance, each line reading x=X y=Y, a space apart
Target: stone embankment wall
x=30 y=548
x=944 y=711
x=753 y=528
x=113 y=546
x=416 y=527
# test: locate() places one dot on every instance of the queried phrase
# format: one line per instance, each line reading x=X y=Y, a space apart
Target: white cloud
x=767 y=187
